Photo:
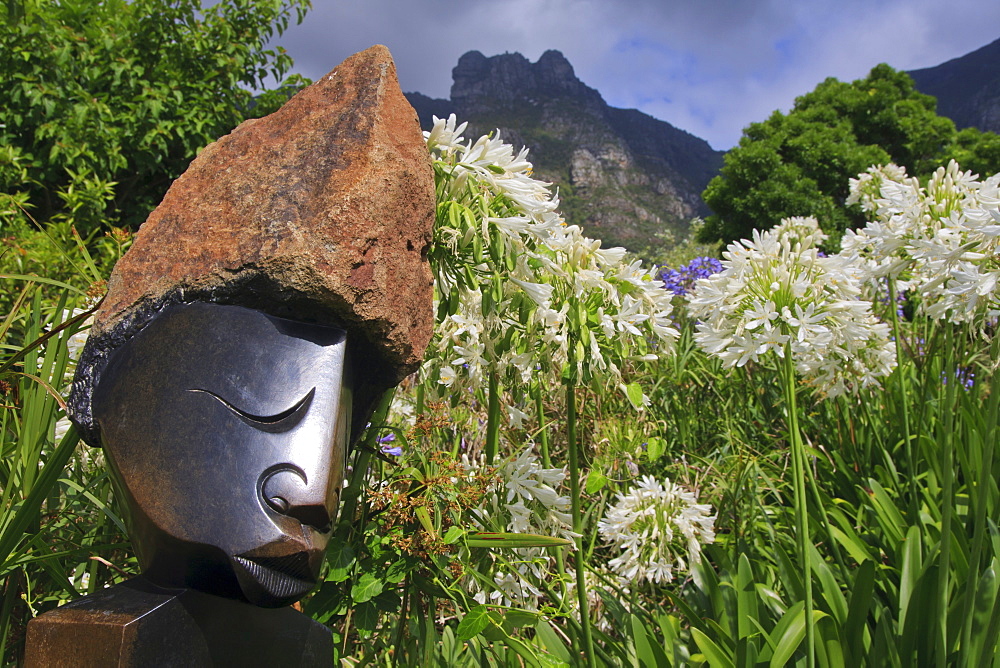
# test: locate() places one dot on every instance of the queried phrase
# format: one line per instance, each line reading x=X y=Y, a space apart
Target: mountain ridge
x=967 y=88
x=624 y=176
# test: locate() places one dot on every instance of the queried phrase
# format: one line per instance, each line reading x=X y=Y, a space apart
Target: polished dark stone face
x=226 y=430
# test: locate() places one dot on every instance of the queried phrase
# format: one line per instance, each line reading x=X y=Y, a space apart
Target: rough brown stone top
x=322 y=212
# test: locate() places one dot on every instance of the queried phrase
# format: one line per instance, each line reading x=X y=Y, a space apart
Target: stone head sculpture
x=280 y=288
x=227 y=432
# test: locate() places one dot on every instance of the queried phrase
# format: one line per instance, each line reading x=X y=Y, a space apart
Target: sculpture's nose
x=288 y=491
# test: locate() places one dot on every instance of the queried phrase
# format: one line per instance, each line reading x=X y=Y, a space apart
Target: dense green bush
x=104 y=103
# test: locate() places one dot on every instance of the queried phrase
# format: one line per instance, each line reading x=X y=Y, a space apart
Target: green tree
x=104 y=102
x=976 y=151
x=799 y=164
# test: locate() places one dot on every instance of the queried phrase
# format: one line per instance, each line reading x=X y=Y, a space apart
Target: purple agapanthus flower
x=388 y=446
x=965 y=376
x=681 y=281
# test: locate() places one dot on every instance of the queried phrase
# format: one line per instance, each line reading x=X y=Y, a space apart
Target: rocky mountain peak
x=554 y=72
x=481 y=83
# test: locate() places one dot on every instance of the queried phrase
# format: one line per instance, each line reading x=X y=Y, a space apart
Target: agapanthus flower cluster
x=530 y=495
x=681 y=280
x=659 y=527
x=941 y=242
x=525 y=499
x=778 y=294
x=518 y=284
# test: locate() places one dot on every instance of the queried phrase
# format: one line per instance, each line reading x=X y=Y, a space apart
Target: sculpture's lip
x=296 y=566
x=281 y=579
x=300 y=556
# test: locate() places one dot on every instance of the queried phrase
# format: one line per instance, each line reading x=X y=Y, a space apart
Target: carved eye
x=276 y=423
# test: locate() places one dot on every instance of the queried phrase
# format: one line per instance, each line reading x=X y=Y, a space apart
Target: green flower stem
x=903 y=395
x=979 y=495
x=947 y=456
x=832 y=542
x=493 y=419
x=572 y=447
x=947 y=446
x=430 y=632
x=799 y=483
x=402 y=621
x=543 y=446
x=543 y=427
x=419 y=409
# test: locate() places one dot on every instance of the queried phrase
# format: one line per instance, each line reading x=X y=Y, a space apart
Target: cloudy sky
x=706 y=66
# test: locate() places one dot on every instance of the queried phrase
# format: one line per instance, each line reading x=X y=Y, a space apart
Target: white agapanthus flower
x=62 y=426
x=941 y=242
x=524 y=499
x=75 y=343
x=659 y=528
x=524 y=271
x=777 y=293
x=514 y=587
x=528 y=493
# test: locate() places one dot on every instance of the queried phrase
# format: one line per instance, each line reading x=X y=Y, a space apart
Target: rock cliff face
x=967 y=88
x=625 y=177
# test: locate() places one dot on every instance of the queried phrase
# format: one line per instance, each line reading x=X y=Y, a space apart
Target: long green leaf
x=48 y=281
x=790 y=634
x=986 y=604
x=649 y=653
x=105 y=508
x=716 y=656
x=498 y=540
x=27 y=513
x=857 y=613
x=830 y=589
x=553 y=642
x=746 y=598
x=890 y=519
x=912 y=569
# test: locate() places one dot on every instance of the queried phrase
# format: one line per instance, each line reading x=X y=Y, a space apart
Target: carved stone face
x=226 y=430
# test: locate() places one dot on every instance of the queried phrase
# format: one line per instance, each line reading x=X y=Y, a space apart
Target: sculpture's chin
x=274 y=582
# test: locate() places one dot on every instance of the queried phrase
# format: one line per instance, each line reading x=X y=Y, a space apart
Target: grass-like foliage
x=60 y=536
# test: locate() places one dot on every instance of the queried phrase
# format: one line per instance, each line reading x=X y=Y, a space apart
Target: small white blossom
x=659 y=528
x=62 y=426
x=446 y=376
x=516 y=417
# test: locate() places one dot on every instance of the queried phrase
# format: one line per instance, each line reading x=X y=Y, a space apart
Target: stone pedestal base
x=137 y=624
